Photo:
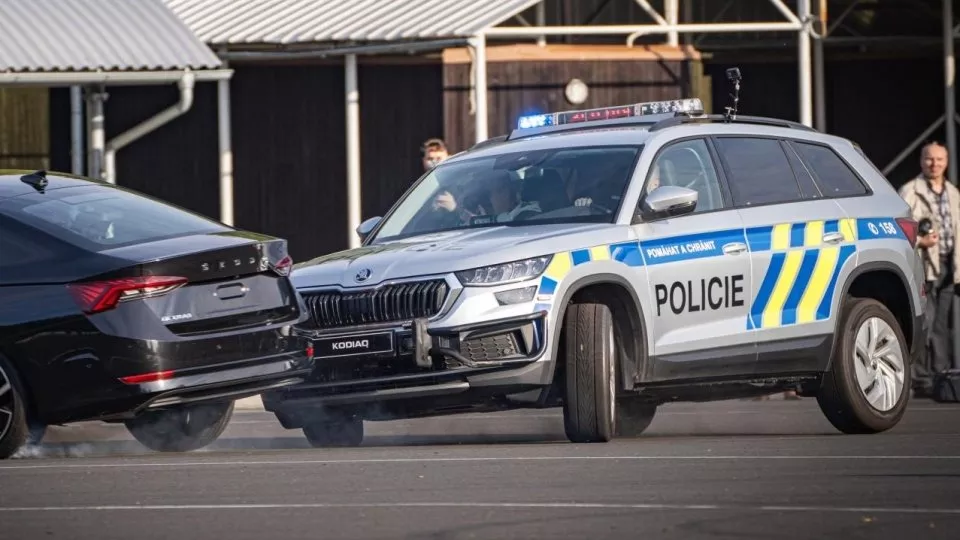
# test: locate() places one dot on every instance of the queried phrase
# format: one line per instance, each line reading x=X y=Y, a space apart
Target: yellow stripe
x=848 y=230
x=807 y=310
x=781 y=236
x=791 y=266
x=559 y=266
x=600 y=253
x=813 y=234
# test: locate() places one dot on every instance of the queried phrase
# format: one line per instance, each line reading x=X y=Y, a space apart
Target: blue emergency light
x=608 y=113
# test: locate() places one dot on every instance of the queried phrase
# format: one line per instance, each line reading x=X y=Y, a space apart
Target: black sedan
x=117 y=307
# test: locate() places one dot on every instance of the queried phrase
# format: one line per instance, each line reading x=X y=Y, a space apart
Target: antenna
x=733 y=75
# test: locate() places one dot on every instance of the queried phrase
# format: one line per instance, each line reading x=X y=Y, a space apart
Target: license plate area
x=357 y=344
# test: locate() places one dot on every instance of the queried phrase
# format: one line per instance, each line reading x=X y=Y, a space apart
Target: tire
x=589 y=404
x=182 y=429
x=14 y=430
x=341 y=431
x=842 y=397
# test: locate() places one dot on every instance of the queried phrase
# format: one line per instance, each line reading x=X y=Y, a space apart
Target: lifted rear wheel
x=867 y=387
x=181 y=429
x=589 y=404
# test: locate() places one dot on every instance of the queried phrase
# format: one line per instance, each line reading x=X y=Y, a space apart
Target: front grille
x=390 y=303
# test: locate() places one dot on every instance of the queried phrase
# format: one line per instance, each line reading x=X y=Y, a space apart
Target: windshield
x=566 y=185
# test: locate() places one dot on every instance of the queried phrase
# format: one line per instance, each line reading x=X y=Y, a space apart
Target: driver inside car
x=503 y=200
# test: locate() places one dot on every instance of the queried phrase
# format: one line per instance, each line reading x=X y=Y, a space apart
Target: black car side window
x=758 y=171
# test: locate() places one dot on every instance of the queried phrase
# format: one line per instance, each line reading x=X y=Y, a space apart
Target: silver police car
x=611 y=260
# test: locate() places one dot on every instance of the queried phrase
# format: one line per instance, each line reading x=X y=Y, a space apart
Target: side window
x=834 y=175
x=758 y=171
x=688 y=164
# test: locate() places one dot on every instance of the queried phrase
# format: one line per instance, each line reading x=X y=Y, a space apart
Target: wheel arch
x=603 y=286
x=865 y=281
x=26 y=395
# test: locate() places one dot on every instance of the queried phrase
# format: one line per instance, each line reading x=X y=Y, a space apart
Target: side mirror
x=668 y=201
x=365 y=228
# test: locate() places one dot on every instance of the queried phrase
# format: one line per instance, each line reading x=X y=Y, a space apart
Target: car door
x=799 y=242
x=698 y=270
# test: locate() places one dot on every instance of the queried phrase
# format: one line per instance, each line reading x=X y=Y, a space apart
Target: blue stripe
x=759 y=238
x=547 y=285
x=831 y=226
x=823 y=311
x=789 y=315
x=627 y=252
x=580 y=256
x=796 y=234
x=689 y=247
x=879 y=229
x=766 y=289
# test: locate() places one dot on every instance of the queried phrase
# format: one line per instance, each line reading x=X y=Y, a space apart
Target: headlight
x=505 y=273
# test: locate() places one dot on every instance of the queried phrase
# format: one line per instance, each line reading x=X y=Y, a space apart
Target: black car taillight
x=98 y=296
x=283 y=266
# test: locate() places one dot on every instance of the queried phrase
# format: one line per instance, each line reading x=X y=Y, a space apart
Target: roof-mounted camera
x=733 y=75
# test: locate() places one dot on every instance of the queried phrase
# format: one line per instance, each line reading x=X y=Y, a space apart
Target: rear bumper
x=423 y=370
x=89 y=385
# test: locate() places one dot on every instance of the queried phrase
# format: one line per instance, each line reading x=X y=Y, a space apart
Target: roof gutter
x=116 y=78
x=380 y=48
x=186 y=84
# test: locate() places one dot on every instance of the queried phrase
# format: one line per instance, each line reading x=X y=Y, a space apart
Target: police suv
x=611 y=260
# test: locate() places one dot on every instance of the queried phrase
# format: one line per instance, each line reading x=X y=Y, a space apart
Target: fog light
x=516 y=296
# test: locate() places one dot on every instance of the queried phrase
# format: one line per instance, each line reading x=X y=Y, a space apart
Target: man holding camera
x=935 y=203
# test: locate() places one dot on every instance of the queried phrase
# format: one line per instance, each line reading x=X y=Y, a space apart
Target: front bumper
x=413 y=361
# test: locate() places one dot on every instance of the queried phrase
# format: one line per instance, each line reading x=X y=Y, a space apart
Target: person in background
x=433 y=151
x=932 y=197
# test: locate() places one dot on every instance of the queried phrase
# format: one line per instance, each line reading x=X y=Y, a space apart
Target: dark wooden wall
x=519 y=85
x=289 y=145
x=882 y=104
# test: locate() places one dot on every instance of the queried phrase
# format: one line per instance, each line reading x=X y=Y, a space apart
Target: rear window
x=100 y=218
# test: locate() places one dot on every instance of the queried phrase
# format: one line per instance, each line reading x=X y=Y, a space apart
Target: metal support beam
x=352 y=94
x=819 y=84
x=479 y=45
x=185 y=84
x=96 y=97
x=672 y=9
x=76 y=129
x=226 y=151
x=949 y=88
x=542 y=21
x=640 y=29
x=803 y=45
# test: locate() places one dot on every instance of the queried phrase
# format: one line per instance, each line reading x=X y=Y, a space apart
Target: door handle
x=734 y=248
x=833 y=238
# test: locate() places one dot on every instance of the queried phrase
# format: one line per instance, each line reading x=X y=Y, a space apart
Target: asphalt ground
x=737 y=469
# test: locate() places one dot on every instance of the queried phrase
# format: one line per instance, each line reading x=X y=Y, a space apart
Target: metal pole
x=806 y=98
x=479 y=44
x=226 y=151
x=949 y=88
x=819 y=92
x=76 y=130
x=542 y=21
x=672 y=9
x=98 y=137
x=353 y=150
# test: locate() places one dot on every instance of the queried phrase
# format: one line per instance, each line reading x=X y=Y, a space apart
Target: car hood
x=450 y=251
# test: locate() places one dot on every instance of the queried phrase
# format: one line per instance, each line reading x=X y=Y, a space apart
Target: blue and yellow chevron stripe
x=800 y=281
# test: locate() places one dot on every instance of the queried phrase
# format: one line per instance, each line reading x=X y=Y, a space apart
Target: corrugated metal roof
x=224 y=22
x=86 y=35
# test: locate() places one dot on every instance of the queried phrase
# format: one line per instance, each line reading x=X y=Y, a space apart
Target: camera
x=924 y=227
